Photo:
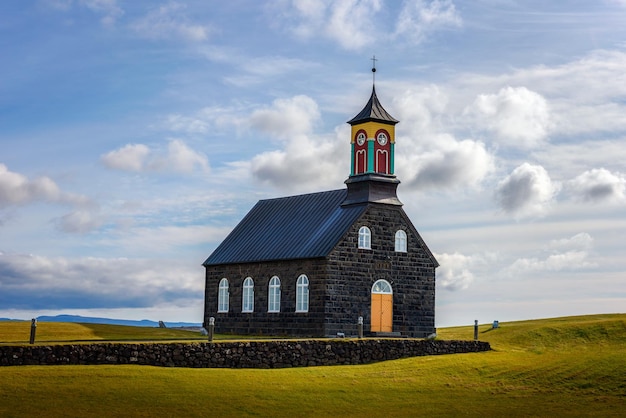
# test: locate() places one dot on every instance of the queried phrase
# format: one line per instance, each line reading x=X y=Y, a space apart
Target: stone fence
x=250 y=354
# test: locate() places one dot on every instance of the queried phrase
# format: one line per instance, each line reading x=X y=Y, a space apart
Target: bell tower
x=373 y=139
x=372 y=177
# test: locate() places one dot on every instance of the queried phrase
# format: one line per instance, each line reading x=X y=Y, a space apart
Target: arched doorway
x=382 y=307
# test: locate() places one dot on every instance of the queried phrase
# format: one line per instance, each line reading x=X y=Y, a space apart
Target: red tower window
x=382 y=152
x=360 y=152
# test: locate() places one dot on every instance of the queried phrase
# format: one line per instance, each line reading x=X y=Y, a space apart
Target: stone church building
x=311 y=265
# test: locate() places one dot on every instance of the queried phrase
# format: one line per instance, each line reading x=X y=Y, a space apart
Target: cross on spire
x=374 y=59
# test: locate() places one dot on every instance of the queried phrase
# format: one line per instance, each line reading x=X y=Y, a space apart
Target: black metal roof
x=373 y=111
x=304 y=226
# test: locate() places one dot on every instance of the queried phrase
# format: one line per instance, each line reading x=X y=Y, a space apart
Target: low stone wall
x=252 y=354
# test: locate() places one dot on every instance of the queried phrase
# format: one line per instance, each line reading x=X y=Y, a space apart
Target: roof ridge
x=302 y=195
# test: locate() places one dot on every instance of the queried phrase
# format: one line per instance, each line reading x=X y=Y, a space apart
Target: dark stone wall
x=353 y=271
x=259 y=322
x=253 y=354
x=339 y=286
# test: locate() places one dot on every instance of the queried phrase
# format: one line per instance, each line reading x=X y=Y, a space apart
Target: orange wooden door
x=382 y=312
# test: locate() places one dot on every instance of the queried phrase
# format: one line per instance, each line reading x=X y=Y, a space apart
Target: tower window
x=382 y=160
x=360 y=152
x=365 y=238
x=247 y=296
x=383 y=151
x=302 y=294
x=273 y=300
x=400 y=241
x=223 y=296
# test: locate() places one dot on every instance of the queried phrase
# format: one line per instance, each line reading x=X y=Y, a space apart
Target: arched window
x=400 y=241
x=247 y=296
x=360 y=152
x=382 y=161
x=382 y=287
x=365 y=238
x=273 y=300
x=302 y=294
x=382 y=158
x=222 y=296
x=361 y=162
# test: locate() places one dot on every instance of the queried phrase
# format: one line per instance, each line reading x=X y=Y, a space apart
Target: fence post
x=211 y=328
x=476 y=330
x=33 y=330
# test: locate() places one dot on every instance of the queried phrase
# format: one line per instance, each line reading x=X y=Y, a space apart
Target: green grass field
x=573 y=366
x=18 y=332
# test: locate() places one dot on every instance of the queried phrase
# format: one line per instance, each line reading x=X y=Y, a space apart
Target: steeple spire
x=373 y=141
x=373 y=112
x=374 y=69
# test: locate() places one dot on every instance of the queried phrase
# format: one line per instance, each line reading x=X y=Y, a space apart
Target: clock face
x=360 y=139
x=382 y=139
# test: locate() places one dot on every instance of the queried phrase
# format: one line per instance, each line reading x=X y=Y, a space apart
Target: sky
x=134 y=135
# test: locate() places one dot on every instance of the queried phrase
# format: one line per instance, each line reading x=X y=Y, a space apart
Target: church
x=311 y=265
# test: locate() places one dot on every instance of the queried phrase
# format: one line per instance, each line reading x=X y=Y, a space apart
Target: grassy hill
x=18 y=332
x=573 y=366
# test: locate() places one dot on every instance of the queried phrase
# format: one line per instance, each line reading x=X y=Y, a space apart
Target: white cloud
x=420 y=110
x=355 y=24
x=454 y=271
x=349 y=22
x=187 y=124
x=582 y=96
x=571 y=260
x=286 y=118
x=140 y=158
x=17 y=189
x=131 y=157
x=598 y=185
x=306 y=161
x=528 y=191
x=418 y=17
x=517 y=116
x=449 y=164
x=207 y=119
x=305 y=164
x=565 y=254
x=581 y=241
x=180 y=158
x=427 y=156
x=32 y=281
x=79 y=221
x=109 y=9
x=169 y=21
x=164 y=239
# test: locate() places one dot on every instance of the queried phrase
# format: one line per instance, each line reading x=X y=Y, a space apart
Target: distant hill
x=109 y=321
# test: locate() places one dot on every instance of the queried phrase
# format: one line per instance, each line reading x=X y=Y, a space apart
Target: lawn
x=554 y=367
x=18 y=332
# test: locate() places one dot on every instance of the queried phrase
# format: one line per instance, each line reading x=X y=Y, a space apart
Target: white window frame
x=273 y=295
x=223 y=296
x=365 y=238
x=382 y=287
x=247 y=295
x=401 y=241
x=386 y=157
x=302 y=294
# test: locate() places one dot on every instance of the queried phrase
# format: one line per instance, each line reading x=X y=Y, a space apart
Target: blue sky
x=134 y=135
